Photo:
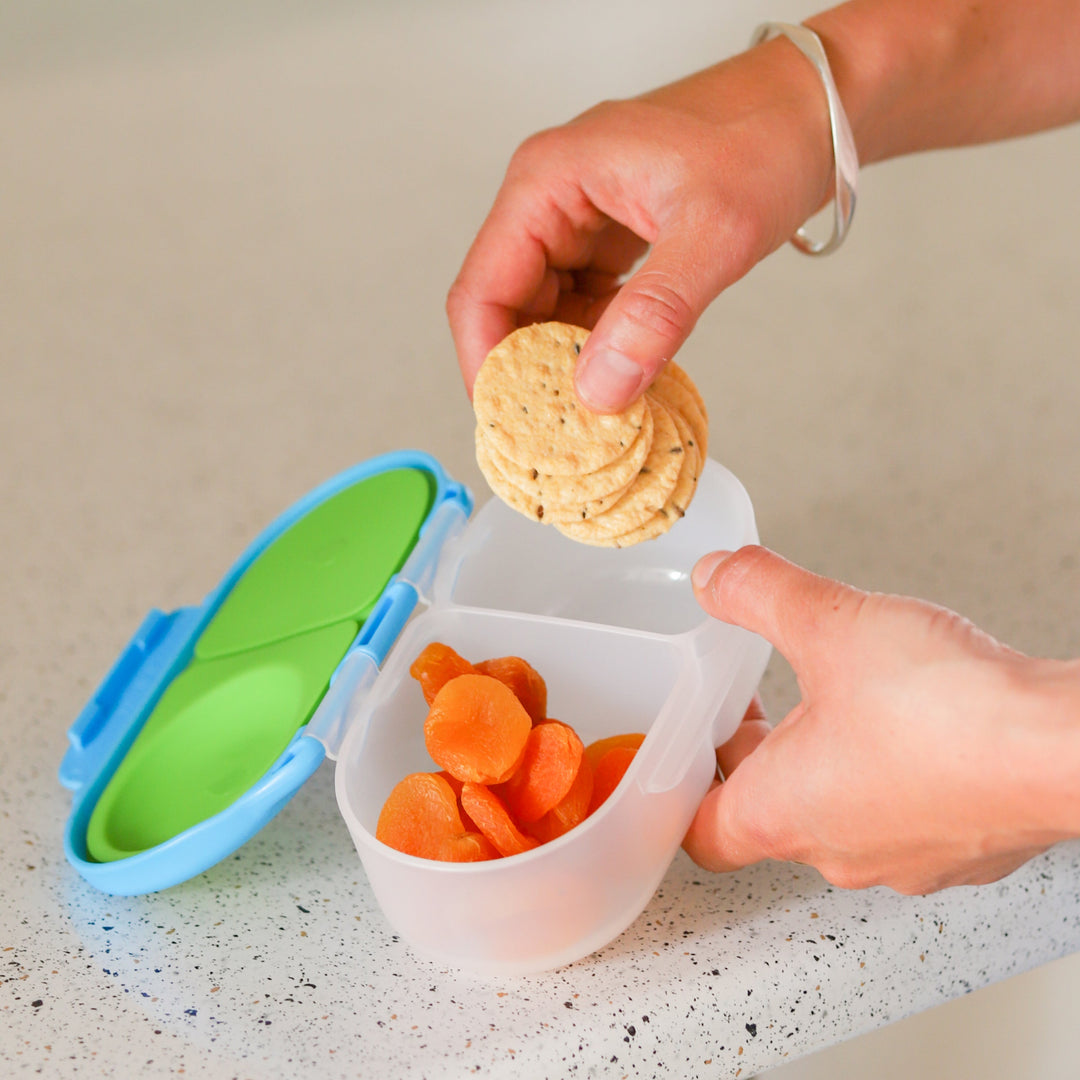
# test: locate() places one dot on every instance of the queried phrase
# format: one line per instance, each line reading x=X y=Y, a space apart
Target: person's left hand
x=923 y=753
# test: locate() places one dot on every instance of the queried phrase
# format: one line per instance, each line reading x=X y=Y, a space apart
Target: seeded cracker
x=678 y=501
x=633 y=496
x=579 y=491
x=513 y=496
x=535 y=506
x=688 y=384
x=670 y=386
x=527 y=410
x=647 y=494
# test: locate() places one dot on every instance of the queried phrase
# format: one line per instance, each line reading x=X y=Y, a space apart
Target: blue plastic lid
x=197 y=736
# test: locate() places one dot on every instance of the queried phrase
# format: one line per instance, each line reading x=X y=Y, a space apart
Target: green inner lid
x=331 y=565
x=216 y=730
x=262 y=664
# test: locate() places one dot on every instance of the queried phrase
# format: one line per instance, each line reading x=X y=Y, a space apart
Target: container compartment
x=623 y=647
x=511 y=564
x=561 y=900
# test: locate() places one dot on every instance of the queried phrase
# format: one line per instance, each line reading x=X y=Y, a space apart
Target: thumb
x=646 y=322
x=757 y=589
x=721 y=837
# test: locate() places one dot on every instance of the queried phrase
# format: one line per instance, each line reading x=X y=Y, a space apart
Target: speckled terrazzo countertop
x=225 y=239
x=278 y=963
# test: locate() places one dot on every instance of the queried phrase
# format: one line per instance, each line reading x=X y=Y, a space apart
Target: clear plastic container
x=623 y=646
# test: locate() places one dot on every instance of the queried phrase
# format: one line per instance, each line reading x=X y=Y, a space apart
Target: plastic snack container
x=215 y=715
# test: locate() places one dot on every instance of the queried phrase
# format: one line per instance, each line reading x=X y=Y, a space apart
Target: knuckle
x=658 y=306
x=458 y=301
x=846 y=601
x=838 y=606
x=537 y=150
x=727 y=584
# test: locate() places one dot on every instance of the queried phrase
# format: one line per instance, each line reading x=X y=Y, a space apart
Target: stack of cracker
x=611 y=480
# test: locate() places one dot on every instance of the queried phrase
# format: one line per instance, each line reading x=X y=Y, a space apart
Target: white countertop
x=225 y=238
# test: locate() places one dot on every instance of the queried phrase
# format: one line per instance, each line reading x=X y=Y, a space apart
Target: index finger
x=540 y=223
x=502 y=272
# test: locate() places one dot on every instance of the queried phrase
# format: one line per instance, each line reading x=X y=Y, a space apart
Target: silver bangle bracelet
x=845 y=157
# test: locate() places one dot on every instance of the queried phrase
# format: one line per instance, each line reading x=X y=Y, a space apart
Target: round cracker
x=656 y=526
x=680 y=375
x=572 y=512
x=524 y=400
x=510 y=494
x=679 y=500
x=676 y=505
x=689 y=471
x=675 y=396
x=578 y=490
x=533 y=506
x=650 y=490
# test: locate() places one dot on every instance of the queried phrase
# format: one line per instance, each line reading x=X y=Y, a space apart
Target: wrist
x=884 y=57
x=775 y=88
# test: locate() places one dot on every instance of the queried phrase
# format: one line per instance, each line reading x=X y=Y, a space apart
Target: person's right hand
x=708 y=174
x=923 y=753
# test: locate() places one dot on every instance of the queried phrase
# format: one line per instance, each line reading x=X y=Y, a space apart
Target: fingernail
x=706 y=567
x=608 y=380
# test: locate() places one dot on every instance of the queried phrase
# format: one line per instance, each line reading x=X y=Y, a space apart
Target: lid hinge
x=351 y=682
x=441 y=531
x=356 y=674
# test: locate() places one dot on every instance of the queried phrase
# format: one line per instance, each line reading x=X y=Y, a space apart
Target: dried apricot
x=455 y=783
x=547 y=771
x=436 y=665
x=493 y=820
x=419 y=815
x=512 y=777
x=476 y=729
x=467 y=847
x=609 y=771
x=596 y=750
x=523 y=679
x=571 y=811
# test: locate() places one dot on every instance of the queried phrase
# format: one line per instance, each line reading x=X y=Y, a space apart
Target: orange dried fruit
x=493 y=820
x=609 y=771
x=455 y=783
x=476 y=729
x=529 y=688
x=436 y=665
x=596 y=750
x=419 y=815
x=548 y=768
x=511 y=777
x=571 y=811
x=467 y=847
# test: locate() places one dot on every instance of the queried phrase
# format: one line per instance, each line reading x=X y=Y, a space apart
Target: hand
x=923 y=753
x=717 y=170
x=713 y=172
